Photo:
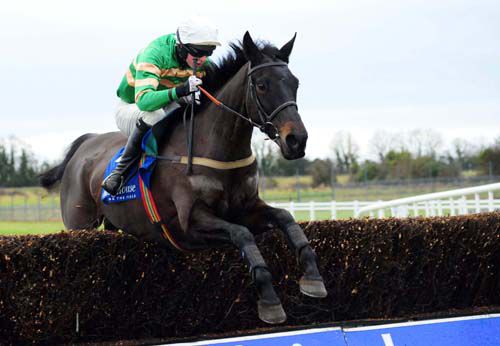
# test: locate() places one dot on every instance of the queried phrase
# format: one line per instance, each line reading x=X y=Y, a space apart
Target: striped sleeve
x=147 y=79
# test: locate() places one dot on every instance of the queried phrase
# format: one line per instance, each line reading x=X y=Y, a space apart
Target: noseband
x=266 y=119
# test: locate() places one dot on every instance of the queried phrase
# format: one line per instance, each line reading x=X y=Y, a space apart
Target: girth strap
x=203 y=161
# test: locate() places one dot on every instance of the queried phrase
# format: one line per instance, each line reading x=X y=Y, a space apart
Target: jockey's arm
x=147 y=79
x=149 y=99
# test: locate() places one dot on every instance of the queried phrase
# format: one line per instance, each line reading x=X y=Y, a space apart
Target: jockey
x=156 y=83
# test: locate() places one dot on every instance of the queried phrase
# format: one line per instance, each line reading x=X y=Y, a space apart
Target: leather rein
x=266 y=126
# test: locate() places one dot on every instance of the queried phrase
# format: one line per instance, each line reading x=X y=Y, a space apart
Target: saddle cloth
x=144 y=168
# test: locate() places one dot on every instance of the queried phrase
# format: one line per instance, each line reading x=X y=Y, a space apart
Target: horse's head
x=271 y=96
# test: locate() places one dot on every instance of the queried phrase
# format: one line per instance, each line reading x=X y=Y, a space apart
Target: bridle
x=266 y=125
x=266 y=119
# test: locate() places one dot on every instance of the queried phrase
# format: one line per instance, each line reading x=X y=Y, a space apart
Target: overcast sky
x=363 y=65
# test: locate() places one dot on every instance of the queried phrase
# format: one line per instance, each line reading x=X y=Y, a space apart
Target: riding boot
x=114 y=181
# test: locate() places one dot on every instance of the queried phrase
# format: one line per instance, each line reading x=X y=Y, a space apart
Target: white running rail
x=326 y=210
x=452 y=202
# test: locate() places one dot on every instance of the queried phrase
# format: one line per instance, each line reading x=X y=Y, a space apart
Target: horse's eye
x=261 y=86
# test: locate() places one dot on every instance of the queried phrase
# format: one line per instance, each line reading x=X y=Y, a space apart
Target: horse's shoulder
x=205 y=183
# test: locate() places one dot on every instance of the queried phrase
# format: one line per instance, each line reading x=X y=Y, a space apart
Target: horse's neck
x=222 y=135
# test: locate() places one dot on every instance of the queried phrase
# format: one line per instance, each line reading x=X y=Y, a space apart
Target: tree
x=272 y=163
x=266 y=156
x=321 y=172
x=382 y=142
x=421 y=142
x=369 y=170
x=11 y=168
x=4 y=166
x=345 y=152
x=18 y=170
x=397 y=164
x=25 y=173
x=291 y=167
x=489 y=159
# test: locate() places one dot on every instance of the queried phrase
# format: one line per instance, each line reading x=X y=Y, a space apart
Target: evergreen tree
x=18 y=170
x=4 y=166
x=25 y=174
x=11 y=167
x=489 y=159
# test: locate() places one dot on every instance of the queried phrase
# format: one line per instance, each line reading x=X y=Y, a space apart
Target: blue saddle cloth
x=143 y=168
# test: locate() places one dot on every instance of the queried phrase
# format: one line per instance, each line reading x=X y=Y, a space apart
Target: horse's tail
x=49 y=178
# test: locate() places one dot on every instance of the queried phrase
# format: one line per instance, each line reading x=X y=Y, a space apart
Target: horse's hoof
x=271 y=313
x=313 y=288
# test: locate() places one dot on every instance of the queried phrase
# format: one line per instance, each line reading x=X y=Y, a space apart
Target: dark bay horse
x=211 y=207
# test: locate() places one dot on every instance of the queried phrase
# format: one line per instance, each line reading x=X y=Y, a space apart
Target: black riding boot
x=113 y=182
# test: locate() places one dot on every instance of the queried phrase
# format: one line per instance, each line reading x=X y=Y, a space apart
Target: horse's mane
x=220 y=73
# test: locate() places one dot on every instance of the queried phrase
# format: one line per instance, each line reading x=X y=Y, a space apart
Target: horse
x=211 y=207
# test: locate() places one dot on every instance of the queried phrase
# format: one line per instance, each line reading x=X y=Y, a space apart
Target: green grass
x=36 y=203
x=20 y=228
x=27 y=196
x=322 y=215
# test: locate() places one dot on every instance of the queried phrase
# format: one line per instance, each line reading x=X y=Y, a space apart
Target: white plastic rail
x=437 y=203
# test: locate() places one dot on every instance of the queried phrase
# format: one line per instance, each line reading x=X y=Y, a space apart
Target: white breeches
x=127 y=114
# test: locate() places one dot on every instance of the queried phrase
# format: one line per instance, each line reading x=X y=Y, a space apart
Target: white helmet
x=199 y=31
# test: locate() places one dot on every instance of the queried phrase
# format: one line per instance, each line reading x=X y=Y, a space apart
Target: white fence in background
x=454 y=202
x=333 y=209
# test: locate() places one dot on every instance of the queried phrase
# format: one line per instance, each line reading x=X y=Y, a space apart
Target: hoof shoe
x=271 y=313
x=313 y=288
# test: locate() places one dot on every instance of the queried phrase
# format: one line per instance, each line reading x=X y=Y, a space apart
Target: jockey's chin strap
x=266 y=126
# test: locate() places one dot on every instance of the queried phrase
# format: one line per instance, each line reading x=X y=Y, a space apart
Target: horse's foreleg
x=269 y=305
x=263 y=217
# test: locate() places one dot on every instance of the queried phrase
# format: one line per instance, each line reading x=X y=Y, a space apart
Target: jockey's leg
x=113 y=182
x=134 y=123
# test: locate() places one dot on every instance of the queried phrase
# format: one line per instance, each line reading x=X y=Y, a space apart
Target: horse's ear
x=251 y=50
x=287 y=49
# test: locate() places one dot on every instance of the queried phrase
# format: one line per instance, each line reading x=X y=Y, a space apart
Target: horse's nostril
x=292 y=141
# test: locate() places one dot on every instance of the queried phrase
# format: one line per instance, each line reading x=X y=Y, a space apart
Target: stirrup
x=112 y=192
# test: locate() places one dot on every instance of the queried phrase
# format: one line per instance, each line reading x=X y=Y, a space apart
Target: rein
x=190 y=134
x=266 y=126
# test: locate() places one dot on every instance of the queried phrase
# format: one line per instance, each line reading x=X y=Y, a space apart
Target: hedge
x=119 y=287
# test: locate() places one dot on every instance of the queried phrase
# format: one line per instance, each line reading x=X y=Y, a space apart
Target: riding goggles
x=199 y=51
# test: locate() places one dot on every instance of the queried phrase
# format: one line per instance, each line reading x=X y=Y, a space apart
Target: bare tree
x=461 y=148
x=345 y=151
x=266 y=155
x=422 y=142
x=384 y=141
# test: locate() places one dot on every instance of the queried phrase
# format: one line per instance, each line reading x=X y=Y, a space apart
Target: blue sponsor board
x=467 y=331
x=309 y=337
x=481 y=330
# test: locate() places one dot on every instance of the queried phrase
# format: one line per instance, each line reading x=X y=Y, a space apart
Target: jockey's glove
x=188 y=87
x=187 y=100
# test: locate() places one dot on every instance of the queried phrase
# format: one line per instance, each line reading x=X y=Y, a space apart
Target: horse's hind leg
x=109 y=226
x=80 y=214
x=78 y=208
x=215 y=229
x=263 y=217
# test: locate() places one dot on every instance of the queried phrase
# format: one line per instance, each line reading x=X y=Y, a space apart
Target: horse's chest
x=224 y=195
